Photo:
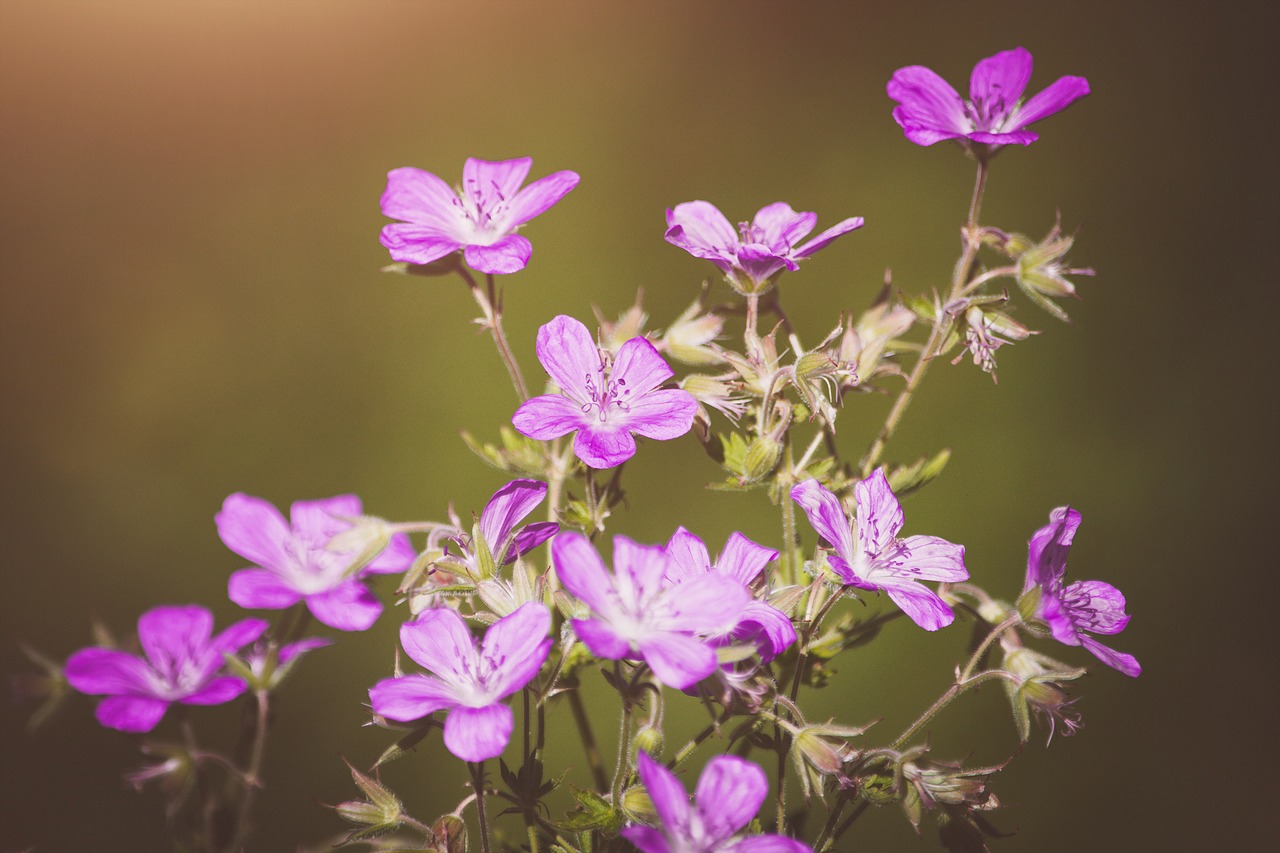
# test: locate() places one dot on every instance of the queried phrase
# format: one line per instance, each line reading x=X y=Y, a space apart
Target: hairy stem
x=491 y=309
x=624 y=739
x=477 y=785
x=961 y=686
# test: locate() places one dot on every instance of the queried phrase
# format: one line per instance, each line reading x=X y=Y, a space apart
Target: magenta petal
x=514 y=648
x=260 y=589
x=417 y=244
x=530 y=537
x=677 y=660
x=508 y=255
x=879 y=513
x=704 y=230
x=639 y=369
x=507 y=508
x=670 y=799
x=238 y=634
x=216 y=692
x=780 y=228
x=771 y=844
x=319 y=520
x=540 y=195
x=171 y=633
x=640 y=568
x=569 y=354
x=350 y=606
x=547 y=417
x=826 y=516
x=440 y=641
x=707 y=604
x=1059 y=95
x=580 y=569
x=767 y=627
x=730 y=791
x=662 y=415
x=396 y=557
x=604 y=447
x=997 y=82
x=475 y=734
x=920 y=134
x=647 y=839
x=131 y=713
x=743 y=559
x=1120 y=661
x=1049 y=546
x=760 y=262
x=601 y=640
x=254 y=529
x=410 y=697
x=107 y=671
x=927 y=101
x=290 y=651
x=921 y=604
x=1104 y=613
x=417 y=196
x=936 y=559
x=1017 y=137
x=689 y=557
x=842 y=227
x=490 y=183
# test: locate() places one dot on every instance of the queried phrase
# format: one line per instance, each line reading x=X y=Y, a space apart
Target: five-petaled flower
x=605 y=403
x=878 y=559
x=183 y=662
x=295 y=562
x=1076 y=610
x=469 y=682
x=636 y=614
x=930 y=110
x=758 y=251
x=729 y=794
x=480 y=218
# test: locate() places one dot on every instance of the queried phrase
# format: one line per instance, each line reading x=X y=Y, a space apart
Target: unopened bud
x=762 y=457
x=650 y=740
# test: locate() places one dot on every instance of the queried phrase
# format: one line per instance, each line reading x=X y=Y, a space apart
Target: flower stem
x=961 y=686
x=253 y=775
x=477 y=785
x=985 y=644
x=790 y=571
x=491 y=308
x=624 y=739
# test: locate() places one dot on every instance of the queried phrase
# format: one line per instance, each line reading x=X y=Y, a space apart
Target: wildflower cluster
x=495 y=620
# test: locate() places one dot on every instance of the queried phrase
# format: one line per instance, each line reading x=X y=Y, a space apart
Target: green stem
x=491 y=310
x=253 y=775
x=477 y=785
x=961 y=686
x=985 y=644
x=790 y=570
x=624 y=739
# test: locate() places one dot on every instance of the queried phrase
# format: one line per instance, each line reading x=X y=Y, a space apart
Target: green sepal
x=905 y=479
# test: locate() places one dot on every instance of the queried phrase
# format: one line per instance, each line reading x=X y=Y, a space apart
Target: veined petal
x=547 y=417
x=670 y=799
x=350 y=606
x=507 y=508
x=1119 y=661
x=508 y=255
x=662 y=415
x=489 y=183
x=760 y=262
x=917 y=132
x=476 y=734
x=1049 y=546
x=826 y=516
x=539 y=196
x=927 y=101
x=108 y=671
x=998 y=81
x=601 y=640
x=935 y=559
x=1104 y=611
x=171 y=634
x=216 y=692
x=641 y=568
x=921 y=604
x=581 y=570
x=1059 y=95
x=440 y=641
x=569 y=355
x=689 y=557
x=842 y=227
x=318 y=521
x=780 y=228
x=531 y=536
x=707 y=604
x=259 y=589
x=254 y=529
x=131 y=713
x=410 y=697
x=1016 y=137
x=514 y=649
x=743 y=559
x=844 y=569
x=730 y=791
x=770 y=844
x=604 y=446
x=702 y=227
x=879 y=513
x=677 y=660
x=768 y=627
x=418 y=196
x=647 y=839
x=639 y=369
x=412 y=243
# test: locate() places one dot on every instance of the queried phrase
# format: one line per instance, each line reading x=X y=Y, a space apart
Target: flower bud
x=762 y=457
x=650 y=740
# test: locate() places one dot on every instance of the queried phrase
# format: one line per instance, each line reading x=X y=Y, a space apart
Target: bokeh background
x=192 y=306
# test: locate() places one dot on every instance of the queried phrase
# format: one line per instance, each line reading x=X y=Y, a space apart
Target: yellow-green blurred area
x=192 y=307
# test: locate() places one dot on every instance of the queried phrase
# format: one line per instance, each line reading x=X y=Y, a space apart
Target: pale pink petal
x=641 y=568
x=581 y=570
x=259 y=589
x=639 y=369
x=670 y=799
x=169 y=634
x=350 y=606
x=507 y=508
x=254 y=529
x=998 y=81
x=318 y=521
x=780 y=228
x=706 y=604
x=216 y=692
x=730 y=791
x=921 y=604
x=108 y=671
x=604 y=446
x=508 y=255
x=743 y=559
x=879 y=513
x=689 y=557
x=289 y=651
x=677 y=660
x=476 y=734
x=601 y=640
x=131 y=713
x=417 y=196
x=547 y=417
x=842 y=227
x=539 y=196
x=514 y=648
x=1059 y=95
x=410 y=697
x=440 y=641
x=662 y=415
x=418 y=244
x=569 y=355
x=826 y=516
x=935 y=559
x=491 y=182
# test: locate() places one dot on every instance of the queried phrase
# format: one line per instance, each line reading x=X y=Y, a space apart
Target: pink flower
x=603 y=400
x=480 y=219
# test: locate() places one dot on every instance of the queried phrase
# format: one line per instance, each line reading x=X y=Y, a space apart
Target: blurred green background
x=192 y=306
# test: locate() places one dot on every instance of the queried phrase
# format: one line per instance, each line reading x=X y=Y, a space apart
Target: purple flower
x=1079 y=609
x=929 y=110
x=499 y=525
x=879 y=559
x=757 y=251
x=183 y=663
x=636 y=615
x=294 y=562
x=730 y=793
x=480 y=218
x=760 y=624
x=604 y=403
x=469 y=682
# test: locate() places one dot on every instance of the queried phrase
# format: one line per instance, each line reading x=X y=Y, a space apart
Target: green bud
x=650 y=740
x=762 y=458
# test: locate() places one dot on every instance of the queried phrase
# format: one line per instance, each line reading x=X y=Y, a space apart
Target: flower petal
x=131 y=713
x=662 y=415
x=647 y=839
x=418 y=196
x=172 y=635
x=259 y=589
x=935 y=559
x=677 y=660
x=508 y=255
x=639 y=369
x=730 y=791
x=393 y=559
x=770 y=844
x=440 y=641
x=879 y=513
x=702 y=230
x=826 y=516
x=928 y=105
x=216 y=692
x=507 y=508
x=601 y=640
x=604 y=446
x=1049 y=546
x=108 y=671
x=998 y=81
x=780 y=228
x=237 y=635
x=547 y=417
x=514 y=649
x=842 y=227
x=1059 y=95
x=289 y=651
x=475 y=734
x=418 y=244
x=350 y=606
x=1119 y=661
x=569 y=355
x=318 y=521
x=670 y=799
x=707 y=604
x=689 y=557
x=410 y=697
x=539 y=196
x=767 y=627
x=639 y=569
x=580 y=569
x=254 y=529
x=922 y=604
x=490 y=183
x=743 y=559
x=1104 y=611
x=531 y=536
